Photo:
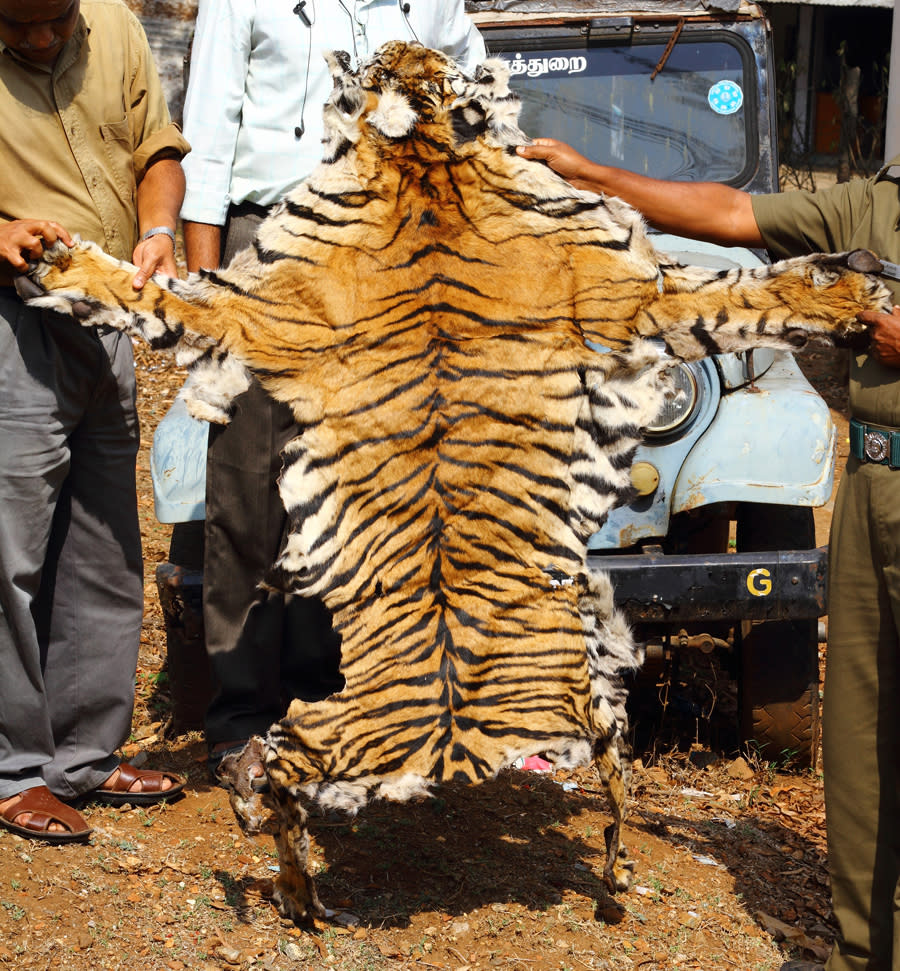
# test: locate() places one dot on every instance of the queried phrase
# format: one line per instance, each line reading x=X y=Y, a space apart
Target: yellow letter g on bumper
x=759 y=582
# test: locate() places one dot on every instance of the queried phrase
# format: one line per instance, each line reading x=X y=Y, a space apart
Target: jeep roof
x=548 y=9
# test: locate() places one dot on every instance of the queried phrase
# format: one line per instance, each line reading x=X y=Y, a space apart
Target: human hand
x=884 y=335
x=562 y=158
x=24 y=240
x=156 y=254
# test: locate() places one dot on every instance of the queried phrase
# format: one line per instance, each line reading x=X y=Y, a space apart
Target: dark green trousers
x=861 y=719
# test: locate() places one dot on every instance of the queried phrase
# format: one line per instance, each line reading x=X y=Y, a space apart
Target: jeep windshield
x=684 y=112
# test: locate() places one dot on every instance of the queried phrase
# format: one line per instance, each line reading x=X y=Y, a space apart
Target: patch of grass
x=14 y=910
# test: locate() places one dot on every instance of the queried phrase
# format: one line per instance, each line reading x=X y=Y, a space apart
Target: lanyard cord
x=300 y=11
x=309 y=21
x=352 y=27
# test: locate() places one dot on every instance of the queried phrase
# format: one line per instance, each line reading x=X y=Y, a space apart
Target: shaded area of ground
x=730 y=853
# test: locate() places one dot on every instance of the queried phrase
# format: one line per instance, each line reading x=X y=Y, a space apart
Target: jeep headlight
x=681 y=399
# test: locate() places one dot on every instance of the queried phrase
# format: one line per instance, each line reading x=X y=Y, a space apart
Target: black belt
x=248 y=209
x=875 y=443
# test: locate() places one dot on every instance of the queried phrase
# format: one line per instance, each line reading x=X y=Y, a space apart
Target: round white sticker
x=725 y=97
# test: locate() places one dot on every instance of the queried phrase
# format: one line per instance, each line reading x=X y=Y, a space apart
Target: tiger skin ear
x=500 y=105
x=347 y=96
x=341 y=111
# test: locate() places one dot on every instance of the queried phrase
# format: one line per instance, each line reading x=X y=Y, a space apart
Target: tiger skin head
x=424 y=301
x=415 y=103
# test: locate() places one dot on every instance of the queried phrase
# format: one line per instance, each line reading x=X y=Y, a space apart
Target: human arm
x=159 y=196
x=23 y=240
x=213 y=108
x=884 y=335
x=202 y=245
x=700 y=210
x=158 y=147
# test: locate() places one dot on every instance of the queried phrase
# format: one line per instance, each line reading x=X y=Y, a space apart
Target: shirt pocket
x=119 y=151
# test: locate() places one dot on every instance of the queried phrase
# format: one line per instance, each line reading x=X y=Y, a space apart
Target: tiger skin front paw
x=33 y=291
x=64 y=277
x=862 y=288
x=98 y=290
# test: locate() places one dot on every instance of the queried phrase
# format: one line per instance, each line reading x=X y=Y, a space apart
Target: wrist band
x=159 y=231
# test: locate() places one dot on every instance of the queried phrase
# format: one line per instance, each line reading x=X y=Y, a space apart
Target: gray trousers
x=264 y=649
x=71 y=589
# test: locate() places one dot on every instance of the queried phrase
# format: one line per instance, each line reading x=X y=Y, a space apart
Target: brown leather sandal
x=151 y=791
x=45 y=810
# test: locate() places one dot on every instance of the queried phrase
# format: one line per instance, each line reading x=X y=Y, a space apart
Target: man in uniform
x=861 y=714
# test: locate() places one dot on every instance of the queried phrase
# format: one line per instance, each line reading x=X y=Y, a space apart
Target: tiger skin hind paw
x=295 y=899
x=619 y=870
x=262 y=808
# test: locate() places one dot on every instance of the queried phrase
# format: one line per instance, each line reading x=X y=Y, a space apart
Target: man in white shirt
x=253 y=116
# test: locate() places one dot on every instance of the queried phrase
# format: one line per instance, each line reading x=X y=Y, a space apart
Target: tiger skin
x=423 y=302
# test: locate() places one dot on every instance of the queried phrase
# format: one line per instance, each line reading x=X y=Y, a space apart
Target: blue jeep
x=717 y=554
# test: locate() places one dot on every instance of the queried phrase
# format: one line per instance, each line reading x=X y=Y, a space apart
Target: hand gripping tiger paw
x=95 y=288
x=428 y=303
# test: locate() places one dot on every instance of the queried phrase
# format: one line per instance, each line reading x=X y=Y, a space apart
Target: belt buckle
x=876 y=446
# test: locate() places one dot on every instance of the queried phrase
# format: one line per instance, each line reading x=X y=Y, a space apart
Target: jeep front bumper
x=779 y=585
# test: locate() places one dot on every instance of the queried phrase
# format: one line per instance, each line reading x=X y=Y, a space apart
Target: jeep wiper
x=665 y=54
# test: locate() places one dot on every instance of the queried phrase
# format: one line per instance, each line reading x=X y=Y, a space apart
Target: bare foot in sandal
x=37 y=814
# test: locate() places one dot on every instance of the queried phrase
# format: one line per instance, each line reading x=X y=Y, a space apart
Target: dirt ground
x=729 y=851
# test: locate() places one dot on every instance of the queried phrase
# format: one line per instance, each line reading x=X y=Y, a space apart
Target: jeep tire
x=778 y=662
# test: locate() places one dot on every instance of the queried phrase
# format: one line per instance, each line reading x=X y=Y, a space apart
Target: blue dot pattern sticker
x=725 y=97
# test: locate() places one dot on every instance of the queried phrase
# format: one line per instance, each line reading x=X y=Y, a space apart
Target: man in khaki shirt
x=861 y=714
x=87 y=148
